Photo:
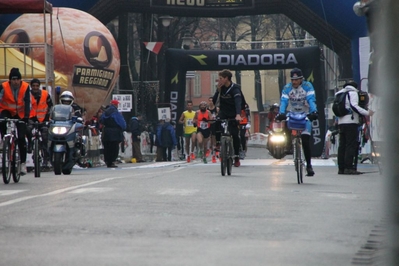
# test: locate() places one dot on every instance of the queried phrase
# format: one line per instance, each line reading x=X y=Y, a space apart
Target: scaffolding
x=39 y=7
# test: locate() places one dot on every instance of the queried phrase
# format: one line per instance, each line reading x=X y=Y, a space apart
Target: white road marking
x=91 y=189
x=10 y=192
x=154 y=165
x=178 y=192
x=274 y=162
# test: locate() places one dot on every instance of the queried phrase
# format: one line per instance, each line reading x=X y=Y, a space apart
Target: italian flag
x=154 y=47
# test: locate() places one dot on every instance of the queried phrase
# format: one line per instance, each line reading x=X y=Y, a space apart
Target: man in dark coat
x=136 y=129
x=167 y=139
x=114 y=125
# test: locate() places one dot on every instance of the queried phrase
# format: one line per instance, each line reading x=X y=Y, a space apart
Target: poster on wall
x=125 y=102
x=164 y=113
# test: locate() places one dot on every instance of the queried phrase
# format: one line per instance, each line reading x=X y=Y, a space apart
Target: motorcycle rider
x=300 y=94
x=67 y=98
x=41 y=106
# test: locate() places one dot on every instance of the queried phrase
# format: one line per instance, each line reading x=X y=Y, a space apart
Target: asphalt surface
x=178 y=213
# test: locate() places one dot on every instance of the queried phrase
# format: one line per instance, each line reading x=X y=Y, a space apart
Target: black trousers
x=234 y=131
x=111 y=151
x=243 y=140
x=348 y=148
x=167 y=153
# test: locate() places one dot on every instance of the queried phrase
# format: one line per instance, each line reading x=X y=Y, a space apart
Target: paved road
x=188 y=214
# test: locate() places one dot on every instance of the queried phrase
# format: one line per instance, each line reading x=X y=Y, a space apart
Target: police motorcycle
x=277 y=140
x=66 y=141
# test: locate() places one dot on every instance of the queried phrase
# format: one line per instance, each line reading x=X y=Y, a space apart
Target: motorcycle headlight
x=59 y=130
x=277 y=138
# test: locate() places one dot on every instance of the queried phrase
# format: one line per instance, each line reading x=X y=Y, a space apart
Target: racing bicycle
x=39 y=151
x=296 y=122
x=11 y=159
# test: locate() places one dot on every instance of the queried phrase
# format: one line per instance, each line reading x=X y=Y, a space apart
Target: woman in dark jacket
x=114 y=125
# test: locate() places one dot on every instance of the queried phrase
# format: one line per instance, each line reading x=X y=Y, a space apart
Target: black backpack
x=338 y=106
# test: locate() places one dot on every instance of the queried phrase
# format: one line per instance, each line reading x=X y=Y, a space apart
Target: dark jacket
x=166 y=135
x=135 y=128
x=114 y=124
x=230 y=101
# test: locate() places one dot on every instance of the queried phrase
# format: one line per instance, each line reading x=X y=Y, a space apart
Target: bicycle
x=226 y=154
x=38 y=152
x=11 y=160
x=296 y=122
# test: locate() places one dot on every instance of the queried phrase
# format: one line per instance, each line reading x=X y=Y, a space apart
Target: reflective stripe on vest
x=39 y=109
x=8 y=102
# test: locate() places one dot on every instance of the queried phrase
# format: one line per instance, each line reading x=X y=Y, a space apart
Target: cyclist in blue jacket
x=300 y=95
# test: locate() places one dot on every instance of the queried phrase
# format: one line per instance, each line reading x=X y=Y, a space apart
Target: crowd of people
x=202 y=128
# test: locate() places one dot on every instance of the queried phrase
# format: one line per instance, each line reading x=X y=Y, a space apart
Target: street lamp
x=187 y=40
x=166 y=20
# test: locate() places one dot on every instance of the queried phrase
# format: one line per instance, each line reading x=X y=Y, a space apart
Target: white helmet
x=66 y=98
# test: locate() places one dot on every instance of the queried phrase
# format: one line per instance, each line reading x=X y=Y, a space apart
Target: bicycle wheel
x=16 y=163
x=298 y=160
x=36 y=157
x=6 y=162
x=223 y=155
x=230 y=154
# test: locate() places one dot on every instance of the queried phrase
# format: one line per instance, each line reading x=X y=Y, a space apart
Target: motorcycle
x=277 y=140
x=67 y=145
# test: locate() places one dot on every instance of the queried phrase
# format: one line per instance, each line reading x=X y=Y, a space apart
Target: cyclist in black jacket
x=228 y=98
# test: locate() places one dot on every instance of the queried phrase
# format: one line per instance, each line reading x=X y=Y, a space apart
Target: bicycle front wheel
x=6 y=162
x=230 y=154
x=298 y=161
x=16 y=162
x=36 y=157
x=223 y=155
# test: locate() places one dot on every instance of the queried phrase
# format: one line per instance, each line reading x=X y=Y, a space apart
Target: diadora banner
x=308 y=59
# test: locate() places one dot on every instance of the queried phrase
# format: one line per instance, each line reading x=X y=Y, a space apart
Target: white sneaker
x=23 y=169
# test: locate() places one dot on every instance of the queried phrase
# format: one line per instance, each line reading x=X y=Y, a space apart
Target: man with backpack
x=346 y=108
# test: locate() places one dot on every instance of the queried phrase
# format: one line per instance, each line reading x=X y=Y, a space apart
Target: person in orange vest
x=40 y=111
x=244 y=126
x=15 y=103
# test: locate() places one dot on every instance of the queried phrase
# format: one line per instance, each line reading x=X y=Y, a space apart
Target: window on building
x=197 y=85
x=214 y=82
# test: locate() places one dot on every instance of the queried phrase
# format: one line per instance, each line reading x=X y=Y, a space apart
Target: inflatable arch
x=308 y=59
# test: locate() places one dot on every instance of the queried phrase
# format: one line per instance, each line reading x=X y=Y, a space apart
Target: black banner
x=308 y=59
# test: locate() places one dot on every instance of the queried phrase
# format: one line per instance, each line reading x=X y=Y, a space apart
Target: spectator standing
x=348 y=126
x=114 y=125
x=167 y=139
x=159 y=156
x=136 y=129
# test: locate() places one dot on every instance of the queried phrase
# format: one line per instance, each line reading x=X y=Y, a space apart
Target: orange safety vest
x=8 y=102
x=203 y=124
x=244 y=120
x=39 y=109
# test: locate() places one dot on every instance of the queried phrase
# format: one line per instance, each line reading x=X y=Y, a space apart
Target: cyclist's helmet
x=296 y=73
x=276 y=105
x=66 y=98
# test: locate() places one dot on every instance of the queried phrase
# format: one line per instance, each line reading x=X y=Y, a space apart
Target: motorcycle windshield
x=61 y=112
